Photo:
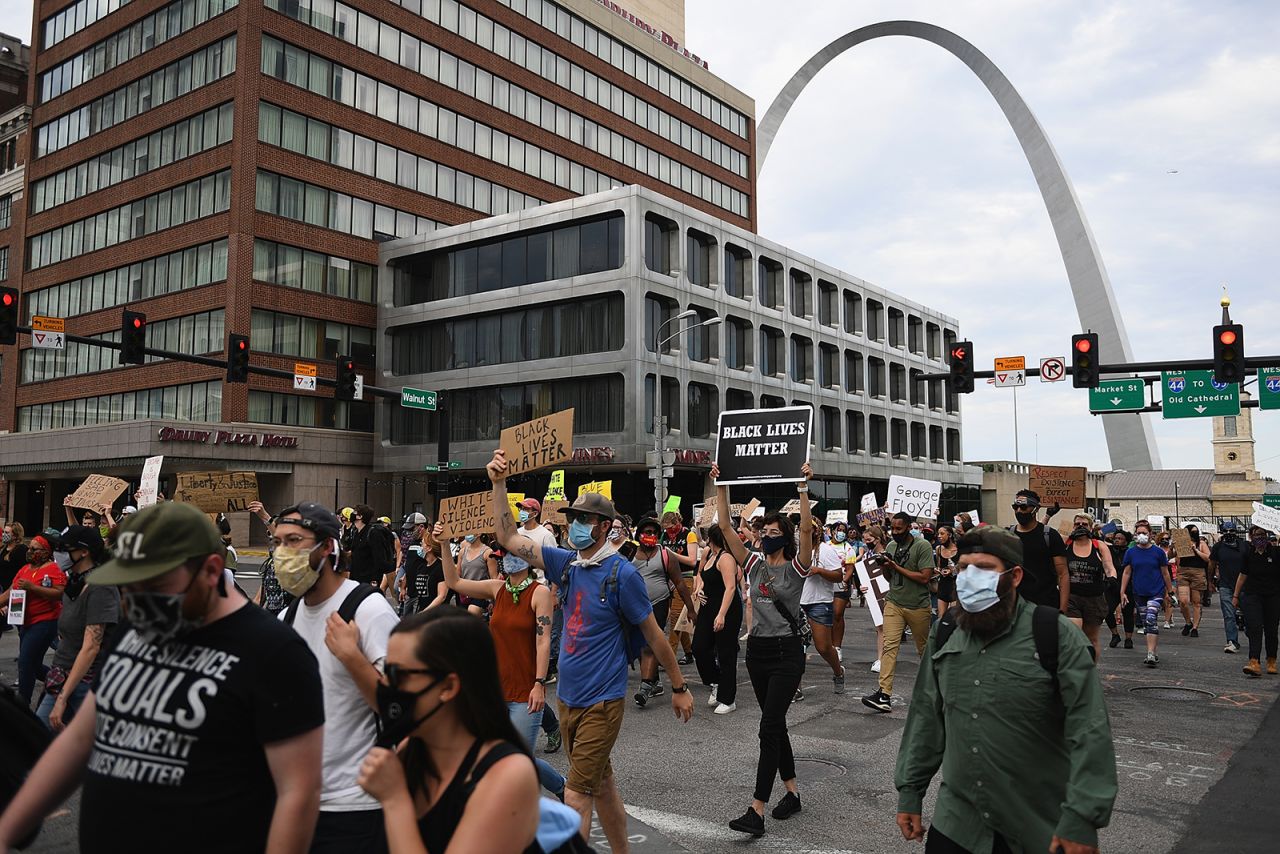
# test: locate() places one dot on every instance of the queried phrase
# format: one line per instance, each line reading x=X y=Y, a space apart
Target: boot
x=1271 y=667
x=1253 y=668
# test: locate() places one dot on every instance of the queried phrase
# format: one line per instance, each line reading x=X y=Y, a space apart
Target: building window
x=933 y=340
x=770 y=401
x=853 y=383
x=875 y=376
x=829 y=366
x=769 y=282
x=919 y=445
x=913 y=386
x=897 y=327
x=291 y=267
x=703 y=340
x=935 y=394
x=6 y=211
x=875 y=320
x=658 y=312
x=737 y=343
x=915 y=334
x=1228 y=423
x=309 y=411
x=659 y=244
x=953 y=445
x=700 y=249
x=897 y=383
x=670 y=403
x=4 y=263
x=828 y=303
x=704 y=409
x=801 y=294
x=735 y=398
x=192 y=402
x=879 y=435
x=937 y=444
x=772 y=356
x=856 y=428
x=801 y=359
x=830 y=428
x=852 y=313
x=737 y=269
x=898 y=437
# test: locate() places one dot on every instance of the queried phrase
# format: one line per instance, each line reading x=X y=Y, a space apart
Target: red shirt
x=39 y=609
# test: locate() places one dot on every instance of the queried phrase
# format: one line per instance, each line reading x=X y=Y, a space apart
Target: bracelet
x=802 y=489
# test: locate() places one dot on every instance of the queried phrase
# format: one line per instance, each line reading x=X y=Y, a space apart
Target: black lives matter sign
x=763 y=445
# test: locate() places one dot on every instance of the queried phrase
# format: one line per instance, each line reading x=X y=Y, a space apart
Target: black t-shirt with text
x=180 y=731
x=1262 y=572
x=1039 y=576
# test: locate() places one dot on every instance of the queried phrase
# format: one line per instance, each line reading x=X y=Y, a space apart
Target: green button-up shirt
x=1018 y=757
x=918 y=557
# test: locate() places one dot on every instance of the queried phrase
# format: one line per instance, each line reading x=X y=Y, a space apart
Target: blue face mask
x=470 y=538
x=917 y=533
x=840 y=535
x=581 y=535
x=523 y=516
x=976 y=588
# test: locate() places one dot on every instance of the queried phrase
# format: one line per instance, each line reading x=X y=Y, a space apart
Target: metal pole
x=1177 y=515
x=442 y=452
x=335 y=494
x=1016 y=456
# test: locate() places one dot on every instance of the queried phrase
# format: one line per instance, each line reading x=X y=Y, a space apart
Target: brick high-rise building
x=231 y=165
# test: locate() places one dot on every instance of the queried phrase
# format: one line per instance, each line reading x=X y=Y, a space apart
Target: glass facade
x=268 y=407
x=309 y=337
x=292 y=267
x=68 y=21
x=190 y=402
x=297 y=200
x=193 y=334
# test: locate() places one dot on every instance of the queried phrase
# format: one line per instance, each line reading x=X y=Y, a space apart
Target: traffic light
x=1084 y=360
x=8 y=316
x=346 y=377
x=962 y=367
x=133 y=338
x=237 y=358
x=1228 y=353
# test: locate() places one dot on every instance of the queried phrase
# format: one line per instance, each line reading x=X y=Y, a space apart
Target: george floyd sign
x=763 y=445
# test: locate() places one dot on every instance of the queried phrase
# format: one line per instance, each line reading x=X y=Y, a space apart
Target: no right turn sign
x=1053 y=369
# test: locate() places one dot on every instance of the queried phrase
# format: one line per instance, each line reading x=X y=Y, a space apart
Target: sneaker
x=878 y=701
x=1128 y=643
x=1167 y=626
x=840 y=655
x=875 y=666
x=722 y=709
x=658 y=690
x=643 y=695
x=687 y=658
x=1195 y=633
x=750 y=822
x=1235 y=646
x=1115 y=641
x=711 y=701
x=1151 y=660
x=787 y=807
x=799 y=697
x=1141 y=630
x=839 y=682
x=552 y=678
x=1186 y=629
x=1231 y=648
x=553 y=743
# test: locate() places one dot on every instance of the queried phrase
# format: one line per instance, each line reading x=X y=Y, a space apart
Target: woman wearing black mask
x=1193 y=582
x=775 y=653
x=1258 y=593
x=1088 y=566
x=462 y=778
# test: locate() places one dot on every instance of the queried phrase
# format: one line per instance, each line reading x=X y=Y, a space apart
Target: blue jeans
x=527 y=725
x=33 y=642
x=1229 y=624
x=73 y=703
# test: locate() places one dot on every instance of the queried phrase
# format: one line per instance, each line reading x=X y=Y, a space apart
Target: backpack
x=1048 y=544
x=1044 y=631
x=633 y=638
x=24 y=740
x=347 y=610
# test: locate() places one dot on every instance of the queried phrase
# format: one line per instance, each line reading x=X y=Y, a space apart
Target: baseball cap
x=386 y=520
x=591 y=502
x=314 y=517
x=993 y=541
x=53 y=537
x=531 y=504
x=129 y=510
x=1229 y=525
x=81 y=537
x=413 y=519
x=346 y=513
x=156 y=540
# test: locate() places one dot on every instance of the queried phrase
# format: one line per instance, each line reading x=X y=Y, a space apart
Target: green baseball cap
x=158 y=539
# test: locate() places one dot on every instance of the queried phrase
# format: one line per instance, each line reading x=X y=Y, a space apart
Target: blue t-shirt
x=593 y=645
x=1148 y=580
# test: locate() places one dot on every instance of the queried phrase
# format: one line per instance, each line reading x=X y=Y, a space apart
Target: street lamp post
x=659 y=420
x=1177 y=516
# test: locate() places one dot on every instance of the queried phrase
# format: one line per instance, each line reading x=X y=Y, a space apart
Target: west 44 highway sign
x=1195 y=394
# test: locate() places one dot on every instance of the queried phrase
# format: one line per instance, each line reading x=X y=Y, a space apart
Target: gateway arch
x=1129 y=438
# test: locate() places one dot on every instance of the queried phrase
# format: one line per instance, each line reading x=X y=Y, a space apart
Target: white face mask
x=1142 y=539
x=976 y=588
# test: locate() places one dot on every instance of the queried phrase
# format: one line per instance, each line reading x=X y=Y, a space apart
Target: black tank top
x=1086 y=572
x=438 y=825
x=713 y=586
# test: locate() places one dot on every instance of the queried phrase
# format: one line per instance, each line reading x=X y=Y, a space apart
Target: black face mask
x=772 y=545
x=75 y=585
x=395 y=713
x=1229 y=536
x=1080 y=533
x=1025 y=518
x=1195 y=536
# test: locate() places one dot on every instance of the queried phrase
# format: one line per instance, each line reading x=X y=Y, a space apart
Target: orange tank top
x=515 y=642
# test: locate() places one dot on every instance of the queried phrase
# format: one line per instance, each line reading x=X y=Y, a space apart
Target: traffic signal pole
x=1252 y=363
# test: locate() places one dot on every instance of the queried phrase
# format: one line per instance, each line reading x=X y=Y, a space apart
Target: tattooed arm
x=543 y=603
x=512 y=540
x=84 y=660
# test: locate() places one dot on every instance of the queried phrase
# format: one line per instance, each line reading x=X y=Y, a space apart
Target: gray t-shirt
x=96 y=605
x=655 y=576
x=785 y=583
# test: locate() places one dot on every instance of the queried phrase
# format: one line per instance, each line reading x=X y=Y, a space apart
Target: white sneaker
x=1168 y=625
x=840 y=655
x=711 y=701
x=875 y=668
x=722 y=709
x=1230 y=647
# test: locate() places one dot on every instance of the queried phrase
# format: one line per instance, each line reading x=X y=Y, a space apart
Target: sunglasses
x=396 y=674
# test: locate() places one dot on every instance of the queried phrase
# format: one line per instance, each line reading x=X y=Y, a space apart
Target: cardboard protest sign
x=553 y=511
x=467 y=514
x=834 y=516
x=913 y=496
x=869 y=503
x=1267 y=518
x=877 y=586
x=17 y=607
x=873 y=517
x=1182 y=545
x=95 y=491
x=973 y=517
x=217 y=491
x=793 y=506
x=1063 y=485
x=752 y=509
x=539 y=443
x=763 y=445
x=707 y=516
x=555 y=491
x=604 y=487
x=513 y=501
x=150 y=485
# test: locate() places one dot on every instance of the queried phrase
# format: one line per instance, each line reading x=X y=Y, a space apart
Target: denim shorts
x=822 y=613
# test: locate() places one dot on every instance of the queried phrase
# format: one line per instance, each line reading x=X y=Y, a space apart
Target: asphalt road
x=1192 y=751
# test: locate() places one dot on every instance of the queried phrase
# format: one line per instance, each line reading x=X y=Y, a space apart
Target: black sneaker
x=553 y=743
x=1195 y=633
x=879 y=701
x=787 y=807
x=750 y=822
x=1115 y=641
x=799 y=696
x=687 y=658
x=1186 y=630
x=643 y=695
x=1128 y=643
x=658 y=690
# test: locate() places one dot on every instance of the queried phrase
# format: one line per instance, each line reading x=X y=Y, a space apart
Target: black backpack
x=23 y=738
x=347 y=610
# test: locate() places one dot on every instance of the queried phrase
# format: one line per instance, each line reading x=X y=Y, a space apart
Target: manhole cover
x=818 y=769
x=1169 y=692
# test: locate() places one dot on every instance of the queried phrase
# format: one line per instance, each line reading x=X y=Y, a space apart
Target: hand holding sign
x=538 y=443
x=762 y=445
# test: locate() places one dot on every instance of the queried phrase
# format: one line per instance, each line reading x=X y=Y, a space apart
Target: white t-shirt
x=349 y=728
x=816 y=588
x=541 y=539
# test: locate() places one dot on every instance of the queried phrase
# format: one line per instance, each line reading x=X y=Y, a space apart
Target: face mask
x=840 y=536
x=1229 y=536
x=917 y=533
x=6 y=538
x=294 y=571
x=614 y=535
x=1080 y=533
x=158 y=617
x=1195 y=536
x=976 y=588
x=418 y=550
x=1025 y=518
x=673 y=532
x=772 y=545
x=1259 y=542
x=1142 y=539
x=523 y=515
x=75 y=585
x=395 y=713
x=581 y=535
x=470 y=538
x=649 y=541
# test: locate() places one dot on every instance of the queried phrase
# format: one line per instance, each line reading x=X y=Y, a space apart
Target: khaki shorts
x=589 y=734
x=1193 y=577
x=1090 y=610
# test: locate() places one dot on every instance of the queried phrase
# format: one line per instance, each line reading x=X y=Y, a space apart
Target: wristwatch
x=683 y=689
x=804 y=488
x=541 y=680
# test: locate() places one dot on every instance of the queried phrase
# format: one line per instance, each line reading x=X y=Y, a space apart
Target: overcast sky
x=896 y=166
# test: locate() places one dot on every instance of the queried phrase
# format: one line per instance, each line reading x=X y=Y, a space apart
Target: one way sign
x=1011 y=371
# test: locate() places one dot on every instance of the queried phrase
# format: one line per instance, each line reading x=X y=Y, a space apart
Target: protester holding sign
x=661 y=573
x=906 y=605
x=41 y=583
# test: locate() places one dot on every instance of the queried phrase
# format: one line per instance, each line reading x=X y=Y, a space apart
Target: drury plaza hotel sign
x=226 y=437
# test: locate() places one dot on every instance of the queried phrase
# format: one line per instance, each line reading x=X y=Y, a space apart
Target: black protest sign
x=763 y=445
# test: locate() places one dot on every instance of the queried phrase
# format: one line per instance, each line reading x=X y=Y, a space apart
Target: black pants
x=939 y=843
x=716 y=653
x=1261 y=617
x=1126 y=612
x=776 y=666
x=353 y=832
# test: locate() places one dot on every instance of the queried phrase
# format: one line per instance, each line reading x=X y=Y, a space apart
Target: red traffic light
x=137 y=323
x=958 y=352
x=1084 y=345
x=1227 y=336
x=8 y=299
x=243 y=345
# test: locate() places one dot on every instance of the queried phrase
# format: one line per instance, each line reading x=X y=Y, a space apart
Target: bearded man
x=1008 y=703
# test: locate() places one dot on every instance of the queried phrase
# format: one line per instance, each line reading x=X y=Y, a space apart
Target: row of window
x=375 y=36
x=8 y=155
x=187 y=138
x=579 y=328
x=180 y=270
x=309 y=338
x=172 y=207
x=315 y=205
x=340 y=147
x=190 y=402
x=133 y=40
x=193 y=334
x=269 y=407
x=4 y=263
x=292 y=267
x=70 y=20
x=458 y=74
x=569 y=26
x=206 y=65
x=6 y=210
x=571 y=249
x=479 y=414
x=341 y=84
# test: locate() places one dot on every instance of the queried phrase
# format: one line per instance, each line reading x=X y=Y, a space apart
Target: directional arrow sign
x=1011 y=371
x=1269 y=388
x=1118 y=396
x=1194 y=394
x=1053 y=369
